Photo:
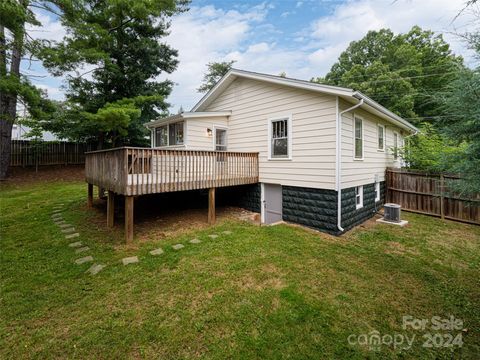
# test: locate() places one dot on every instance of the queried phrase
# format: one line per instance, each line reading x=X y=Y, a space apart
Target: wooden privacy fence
x=138 y=171
x=35 y=153
x=431 y=194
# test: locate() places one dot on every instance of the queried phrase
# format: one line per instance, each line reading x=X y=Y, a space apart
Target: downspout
x=338 y=167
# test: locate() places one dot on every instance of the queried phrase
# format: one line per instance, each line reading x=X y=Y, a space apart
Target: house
x=322 y=150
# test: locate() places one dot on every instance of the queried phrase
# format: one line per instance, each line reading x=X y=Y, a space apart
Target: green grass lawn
x=261 y=292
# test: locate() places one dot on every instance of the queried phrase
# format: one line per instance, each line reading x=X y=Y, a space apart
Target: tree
x=402 y=72
x=15 y=87
x=118 y=44
x=215 y=71
x=431 y=151
x=461 y=103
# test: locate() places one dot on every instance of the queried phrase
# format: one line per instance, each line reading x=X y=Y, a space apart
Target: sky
x=301 y=38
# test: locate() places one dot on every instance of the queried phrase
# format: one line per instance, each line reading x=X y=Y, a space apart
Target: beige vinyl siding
x=253 y=103
x=197 y=138
x=361 y=172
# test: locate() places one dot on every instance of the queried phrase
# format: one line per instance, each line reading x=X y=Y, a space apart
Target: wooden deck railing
x=138 y=171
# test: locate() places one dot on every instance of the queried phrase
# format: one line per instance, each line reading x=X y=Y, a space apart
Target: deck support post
x=90 y=195
x=128 y=219
x=110 y=209
x=211 y=206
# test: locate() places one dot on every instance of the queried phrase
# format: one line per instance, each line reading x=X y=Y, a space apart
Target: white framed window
x=377 y=191
x=280 y=138
x=161 y=136
x=358 y=138
x=359 y=196
x=220 y=139
x=175 y=131
x=395 y=145
x=169 y=134
x=381 y=137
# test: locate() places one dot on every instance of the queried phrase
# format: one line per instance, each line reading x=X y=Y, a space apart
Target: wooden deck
x=133 y=171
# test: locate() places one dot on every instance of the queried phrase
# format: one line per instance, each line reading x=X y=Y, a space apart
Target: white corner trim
x=287 y=117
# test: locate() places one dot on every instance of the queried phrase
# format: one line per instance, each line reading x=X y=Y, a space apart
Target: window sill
x=279 y=159
x=358 y=159
x=357 y=207
x=381 y=150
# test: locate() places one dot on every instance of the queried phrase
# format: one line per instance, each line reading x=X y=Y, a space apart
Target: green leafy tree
x=403 y=72
x=118 y=44
x=215 y=71
x=461 y=103
x=431 y=151
x=15 y=87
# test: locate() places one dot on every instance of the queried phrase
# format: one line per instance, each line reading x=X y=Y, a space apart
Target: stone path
x=70 y=233
x=79 y=247
x=95 y=269
x=130 y=260
x=156 y=252
x=84 y=260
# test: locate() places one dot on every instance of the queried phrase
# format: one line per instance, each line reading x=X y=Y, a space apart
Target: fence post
x=442 y=196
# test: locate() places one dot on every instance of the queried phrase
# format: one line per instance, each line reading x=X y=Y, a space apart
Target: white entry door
x=271 y=203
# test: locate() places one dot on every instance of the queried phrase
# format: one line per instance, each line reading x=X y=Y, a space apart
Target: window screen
x=279 y=138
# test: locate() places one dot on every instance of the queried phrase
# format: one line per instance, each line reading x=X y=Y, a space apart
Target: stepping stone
x=71 y=236
x=156 y=252
x=57 y=212
x=64 y=225
x=95 y=269
x=195 y=241
x=227 y=232
x=178 y=246
x=60 y=222
x=130 y=260
x=84 y=260
x=57 y=216
x=213 y=236
x=75 y=244
x=68 y=230
x=82 y=249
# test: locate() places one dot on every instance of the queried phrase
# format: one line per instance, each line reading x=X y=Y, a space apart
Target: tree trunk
x=8 y=101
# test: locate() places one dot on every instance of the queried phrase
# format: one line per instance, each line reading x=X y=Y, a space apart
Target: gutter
x=338 y=157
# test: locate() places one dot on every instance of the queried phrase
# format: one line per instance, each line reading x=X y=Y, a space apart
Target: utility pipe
x=339 y=160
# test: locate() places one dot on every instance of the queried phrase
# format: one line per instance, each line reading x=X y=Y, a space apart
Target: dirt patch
x=28 y=175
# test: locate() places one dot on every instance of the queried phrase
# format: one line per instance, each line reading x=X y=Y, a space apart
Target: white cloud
x=50 y=29
x=208 y=34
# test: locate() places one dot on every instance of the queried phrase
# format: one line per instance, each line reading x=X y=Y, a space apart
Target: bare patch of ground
x=28 y=175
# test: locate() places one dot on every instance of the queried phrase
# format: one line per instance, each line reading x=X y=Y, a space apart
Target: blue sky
x=302 y=38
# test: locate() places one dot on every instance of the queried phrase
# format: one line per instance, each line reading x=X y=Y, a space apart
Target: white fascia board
x=189 y=115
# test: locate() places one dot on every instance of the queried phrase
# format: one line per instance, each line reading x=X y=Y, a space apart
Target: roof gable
x=345 y=93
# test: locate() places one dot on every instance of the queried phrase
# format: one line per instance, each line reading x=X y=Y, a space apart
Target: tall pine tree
x=118 y=46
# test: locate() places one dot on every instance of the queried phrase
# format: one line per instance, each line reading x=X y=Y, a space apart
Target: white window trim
x=363 y=137
x=289 y=137
x=377 y=192
x=167 y=123
x=359 y=206
x=384 y=137
x=397 y=147
x=214 y=137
